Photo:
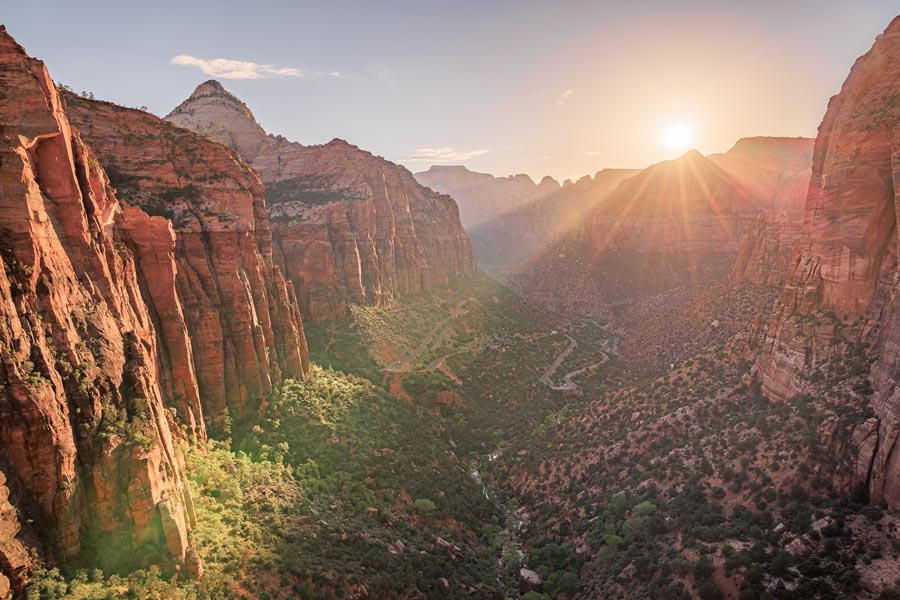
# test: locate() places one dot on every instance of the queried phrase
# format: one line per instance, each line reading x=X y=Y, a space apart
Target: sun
x=678 y=136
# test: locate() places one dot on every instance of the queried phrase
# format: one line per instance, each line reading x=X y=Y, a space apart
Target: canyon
x=513 y=217
x=234 y=365
x=145 y=305
x=677 y=247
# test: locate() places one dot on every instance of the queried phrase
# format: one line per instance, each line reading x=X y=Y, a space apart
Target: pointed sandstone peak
x=407 y=239
x=211 y=87
x=217 y=113
x=691 y=155
x=8 y=44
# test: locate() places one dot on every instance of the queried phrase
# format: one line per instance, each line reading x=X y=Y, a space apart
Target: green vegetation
x=679 y=482
x=308 y=190
x=317 y=499
x=424 y=452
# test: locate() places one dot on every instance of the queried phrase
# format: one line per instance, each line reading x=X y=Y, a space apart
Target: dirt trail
x=405 y=365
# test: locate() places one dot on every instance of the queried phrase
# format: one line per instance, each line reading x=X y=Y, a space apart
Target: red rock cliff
x=84 y=430
x=845 y=262
x=778 y=171
x=349 y=227
x=241 y=315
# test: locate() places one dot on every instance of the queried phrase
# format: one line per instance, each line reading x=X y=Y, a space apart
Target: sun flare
x=678 y=136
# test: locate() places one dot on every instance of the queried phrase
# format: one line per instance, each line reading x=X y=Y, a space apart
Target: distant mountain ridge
x=481 y=196
x=663 y=239
x=509 y=218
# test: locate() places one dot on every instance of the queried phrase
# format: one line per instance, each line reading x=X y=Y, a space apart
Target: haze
x=504 y=87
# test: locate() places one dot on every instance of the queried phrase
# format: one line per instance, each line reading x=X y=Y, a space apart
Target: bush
x=424 y=506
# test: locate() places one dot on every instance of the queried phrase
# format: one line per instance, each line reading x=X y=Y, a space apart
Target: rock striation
x=844 y=264
x=776 y=170
x=86 y=437
x=764 y=250
x=244 y=331
x=347 y=226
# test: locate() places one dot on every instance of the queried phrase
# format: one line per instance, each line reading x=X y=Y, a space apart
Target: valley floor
x=442 y=445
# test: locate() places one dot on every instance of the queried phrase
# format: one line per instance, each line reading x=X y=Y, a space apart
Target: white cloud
x=227 y=68
x=442 y=155
x=564 y=96
x=593 y=153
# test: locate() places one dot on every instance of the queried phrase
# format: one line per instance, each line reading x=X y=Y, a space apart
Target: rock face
x=241 y=316
x=776 y=170
x=845 y=262
x=15 y=558
x=85 y=433
x=348 y=227
x=764 y=250
x=482 y=197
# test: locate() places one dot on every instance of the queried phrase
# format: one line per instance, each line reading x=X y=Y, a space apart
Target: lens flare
x=678 y=136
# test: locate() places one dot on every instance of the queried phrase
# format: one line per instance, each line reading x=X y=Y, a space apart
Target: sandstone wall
x=85 y=433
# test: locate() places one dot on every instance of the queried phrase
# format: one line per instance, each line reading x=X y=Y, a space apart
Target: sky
x=560 y=88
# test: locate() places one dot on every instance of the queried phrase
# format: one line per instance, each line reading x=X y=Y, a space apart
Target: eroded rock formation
x=844 y=265
x=240 y=314
x=348 y=227
x=85 y=433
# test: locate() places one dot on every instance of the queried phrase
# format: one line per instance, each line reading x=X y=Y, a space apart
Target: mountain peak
x=211 y=87
x=214 y=111
x=8 y=44
x=692 y=155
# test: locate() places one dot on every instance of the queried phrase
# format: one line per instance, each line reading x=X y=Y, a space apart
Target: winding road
x=407 y=364
x=568 y=385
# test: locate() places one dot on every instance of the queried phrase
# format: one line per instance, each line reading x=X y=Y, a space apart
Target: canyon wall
x=86 y=437
x=482 y=197
x=240 y=314
x=675 y=224
x=348 y=226
x=505 y=240
x=843 y=271
x=776 y=170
